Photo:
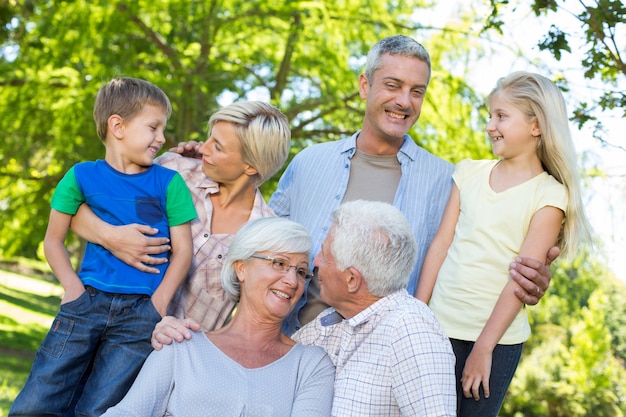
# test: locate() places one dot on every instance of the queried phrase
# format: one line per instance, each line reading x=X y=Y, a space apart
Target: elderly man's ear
x=354 y=280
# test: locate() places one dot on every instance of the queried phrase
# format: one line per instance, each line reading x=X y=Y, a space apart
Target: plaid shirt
x=392 y=359
x=201 y=296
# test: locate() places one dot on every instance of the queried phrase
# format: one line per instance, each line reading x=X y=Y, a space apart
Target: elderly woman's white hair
x=376 y=239
x=269 y=234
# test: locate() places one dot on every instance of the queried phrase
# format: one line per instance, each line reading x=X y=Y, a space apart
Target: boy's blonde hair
x=126 y=97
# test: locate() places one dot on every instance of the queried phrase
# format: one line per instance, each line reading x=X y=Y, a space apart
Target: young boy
x=101 y=335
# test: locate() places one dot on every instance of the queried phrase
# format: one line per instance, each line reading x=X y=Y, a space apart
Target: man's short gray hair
x=376 y=239
x=395 y=45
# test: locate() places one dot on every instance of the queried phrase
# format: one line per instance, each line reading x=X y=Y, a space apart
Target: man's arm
x=280 y=201
x=129 y=243
x=532 y=276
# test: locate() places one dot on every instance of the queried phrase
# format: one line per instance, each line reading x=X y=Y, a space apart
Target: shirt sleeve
x=150 y=393
x=464 y=169
x=67 y=196
x=180 y=208
x=423 y=369
x=280 y=200
x=553 y=194
x=315 y=392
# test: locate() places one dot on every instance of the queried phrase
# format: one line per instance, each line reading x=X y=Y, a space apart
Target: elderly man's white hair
x=376 y=239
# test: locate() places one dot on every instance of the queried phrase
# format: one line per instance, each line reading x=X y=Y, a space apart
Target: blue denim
x=505 y=359
x=90 y=357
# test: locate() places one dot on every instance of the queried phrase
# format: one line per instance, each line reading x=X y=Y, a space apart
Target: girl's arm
x=57 y=257
x=439 y=246
x=180 y=261
x=543 y=231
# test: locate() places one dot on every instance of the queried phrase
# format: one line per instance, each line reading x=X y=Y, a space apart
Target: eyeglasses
x=281 y=265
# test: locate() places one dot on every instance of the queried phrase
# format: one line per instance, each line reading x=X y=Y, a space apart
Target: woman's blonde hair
x=540 y=99
x=264 y=134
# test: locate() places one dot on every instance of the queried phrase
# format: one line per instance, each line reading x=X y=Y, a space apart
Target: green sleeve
x=180 y=208
x=67 y=197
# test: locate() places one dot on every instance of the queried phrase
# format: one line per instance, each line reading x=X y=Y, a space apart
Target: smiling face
x=221 y=155
x=269 y=290
x=394 y=97
x=512 y=132
x=141 y=136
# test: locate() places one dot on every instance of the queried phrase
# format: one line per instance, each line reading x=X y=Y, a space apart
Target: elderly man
x=392 y=356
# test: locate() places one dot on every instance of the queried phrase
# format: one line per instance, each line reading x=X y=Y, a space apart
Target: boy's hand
x=171 y=329
x=73 y=292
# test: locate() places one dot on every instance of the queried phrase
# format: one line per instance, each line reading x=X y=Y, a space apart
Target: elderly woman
x=248 y=142
x=248 y=367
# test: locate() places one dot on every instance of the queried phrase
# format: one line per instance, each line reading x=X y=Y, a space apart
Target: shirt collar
x=207 y=184
x=409 y=148
x=364 y=316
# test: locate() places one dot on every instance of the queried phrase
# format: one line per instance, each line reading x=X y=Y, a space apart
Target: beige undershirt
x=373 y=177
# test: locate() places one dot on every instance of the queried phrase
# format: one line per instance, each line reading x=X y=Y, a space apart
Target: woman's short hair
x=269 y=234
x=264 y=134
x=376 y=239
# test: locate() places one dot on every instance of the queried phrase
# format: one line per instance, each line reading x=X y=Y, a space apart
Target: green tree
x=304 y=57
x=602 y=55
x=301 y=56
x=573 y=364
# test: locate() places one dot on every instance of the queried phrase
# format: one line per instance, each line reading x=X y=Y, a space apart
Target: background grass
x=29 y=300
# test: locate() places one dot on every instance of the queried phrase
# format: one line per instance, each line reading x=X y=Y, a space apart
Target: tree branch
x=285 y=63
x=156 y=39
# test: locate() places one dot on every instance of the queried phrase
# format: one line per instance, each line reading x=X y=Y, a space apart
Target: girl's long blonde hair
x=540 y=99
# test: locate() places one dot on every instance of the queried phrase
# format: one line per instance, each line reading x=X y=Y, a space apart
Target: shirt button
x=206 y=235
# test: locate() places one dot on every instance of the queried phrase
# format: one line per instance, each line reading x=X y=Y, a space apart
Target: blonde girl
x=516 y=206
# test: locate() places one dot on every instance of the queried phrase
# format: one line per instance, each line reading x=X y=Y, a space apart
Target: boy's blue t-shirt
x=157 y=197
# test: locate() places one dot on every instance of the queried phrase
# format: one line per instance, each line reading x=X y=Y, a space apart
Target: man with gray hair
x=381 y=162
x=392 y=357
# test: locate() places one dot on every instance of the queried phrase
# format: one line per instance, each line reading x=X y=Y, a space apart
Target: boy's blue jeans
x=99 y=339
x=504 y=361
